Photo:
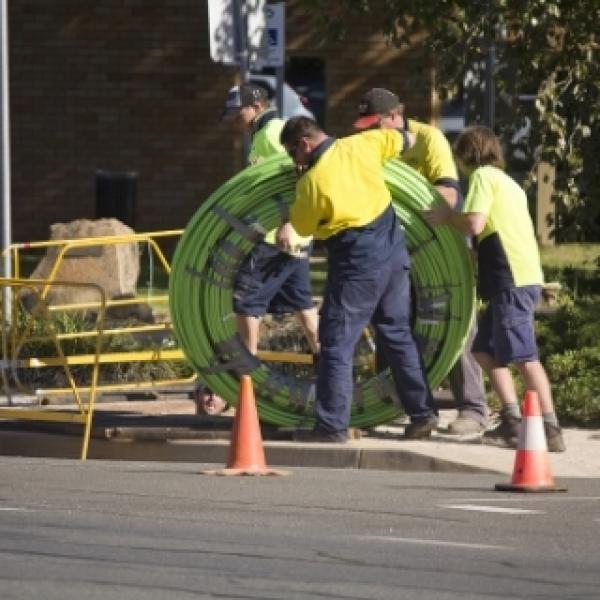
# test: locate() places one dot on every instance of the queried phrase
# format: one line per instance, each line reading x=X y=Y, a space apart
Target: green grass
x=576 y=256
x=574 y=266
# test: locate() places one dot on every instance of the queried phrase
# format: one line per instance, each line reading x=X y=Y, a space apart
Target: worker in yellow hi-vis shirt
x=275 y=278
x=431 y=155
x=342 y=199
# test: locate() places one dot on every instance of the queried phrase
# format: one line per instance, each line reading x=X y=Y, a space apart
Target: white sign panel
x=273 y=47
x=266 y=32
x=221 y=31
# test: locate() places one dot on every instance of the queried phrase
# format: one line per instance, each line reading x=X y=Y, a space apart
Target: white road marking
x=399 y=540
x=494 y=509
x=14 y=509
x=530 y=498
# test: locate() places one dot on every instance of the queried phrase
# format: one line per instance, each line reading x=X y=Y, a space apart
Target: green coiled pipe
x=224 y=230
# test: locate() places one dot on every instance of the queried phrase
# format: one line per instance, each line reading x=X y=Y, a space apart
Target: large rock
x=114 y=267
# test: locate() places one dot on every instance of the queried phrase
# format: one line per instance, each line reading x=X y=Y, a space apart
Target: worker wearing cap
x=342 y=199
x=275 y=277
x=431 y=155
x=248 y=107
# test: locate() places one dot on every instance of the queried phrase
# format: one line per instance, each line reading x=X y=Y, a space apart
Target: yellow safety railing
x=18 y=328
x=143 y=354
x=63 y=248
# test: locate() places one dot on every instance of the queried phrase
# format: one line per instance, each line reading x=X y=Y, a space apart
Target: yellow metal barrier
x=16 y=336
x=63 y=248
x=142 y=354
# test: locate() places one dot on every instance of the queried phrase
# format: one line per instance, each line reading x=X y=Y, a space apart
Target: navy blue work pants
x=379 y=295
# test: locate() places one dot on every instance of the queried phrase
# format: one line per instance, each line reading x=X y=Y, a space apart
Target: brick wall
x=128 y=85
x=364 y=59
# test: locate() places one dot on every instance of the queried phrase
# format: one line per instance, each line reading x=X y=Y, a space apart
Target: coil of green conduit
x=224 y=230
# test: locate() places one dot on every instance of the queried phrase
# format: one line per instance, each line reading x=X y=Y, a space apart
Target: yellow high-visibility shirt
x=431 y=154
x=265 y=143
x=345 y=188
x=265 y=140
x=508 y=253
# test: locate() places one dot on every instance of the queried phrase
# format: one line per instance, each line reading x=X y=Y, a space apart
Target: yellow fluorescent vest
x=431 y=154
x=495 y=194
x=345 y=187
x=265 y=143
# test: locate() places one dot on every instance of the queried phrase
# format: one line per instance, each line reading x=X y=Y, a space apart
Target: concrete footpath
x=169 y=430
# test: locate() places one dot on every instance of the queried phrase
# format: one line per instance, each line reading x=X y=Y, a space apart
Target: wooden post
x=545 y=212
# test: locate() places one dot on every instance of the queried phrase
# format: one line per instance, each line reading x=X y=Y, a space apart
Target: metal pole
x=5 y=158
x=279 y=79
x=280 y=70
x=5 y=143
x=240 y=26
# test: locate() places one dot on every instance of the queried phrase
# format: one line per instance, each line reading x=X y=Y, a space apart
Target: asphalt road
x=158 y=531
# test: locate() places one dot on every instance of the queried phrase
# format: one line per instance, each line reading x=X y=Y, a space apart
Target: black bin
x=116 y=193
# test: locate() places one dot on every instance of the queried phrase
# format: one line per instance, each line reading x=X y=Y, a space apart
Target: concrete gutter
x=169 y=431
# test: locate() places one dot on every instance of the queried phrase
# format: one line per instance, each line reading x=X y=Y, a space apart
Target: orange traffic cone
x=531 y=472
x=246 y=454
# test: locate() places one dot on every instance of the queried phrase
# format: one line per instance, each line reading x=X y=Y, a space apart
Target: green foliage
x=575 y=377
x=569 y=348
x=571 y=327
x=546 y=49
x=580 y=282
x=574 y=266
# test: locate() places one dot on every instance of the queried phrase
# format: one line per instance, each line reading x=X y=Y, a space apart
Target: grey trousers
x=466 y=383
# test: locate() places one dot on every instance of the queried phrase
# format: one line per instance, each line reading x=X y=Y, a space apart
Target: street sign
x=265 y=33
x=273 y=49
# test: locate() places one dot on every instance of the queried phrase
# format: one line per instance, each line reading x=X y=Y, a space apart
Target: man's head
x=244 y=103
x=300 y=136
x=380 y=108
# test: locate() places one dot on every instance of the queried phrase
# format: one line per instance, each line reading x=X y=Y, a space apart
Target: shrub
x=575 y=377
x=568 y=342
x=571 y=326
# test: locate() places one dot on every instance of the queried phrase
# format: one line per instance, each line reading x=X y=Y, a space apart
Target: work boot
x=554 y=438
x=420 y=429
x=506 y=433
x=464 y=425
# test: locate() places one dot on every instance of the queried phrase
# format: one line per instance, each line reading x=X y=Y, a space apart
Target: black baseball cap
x=239 y=96
x=375 y=102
